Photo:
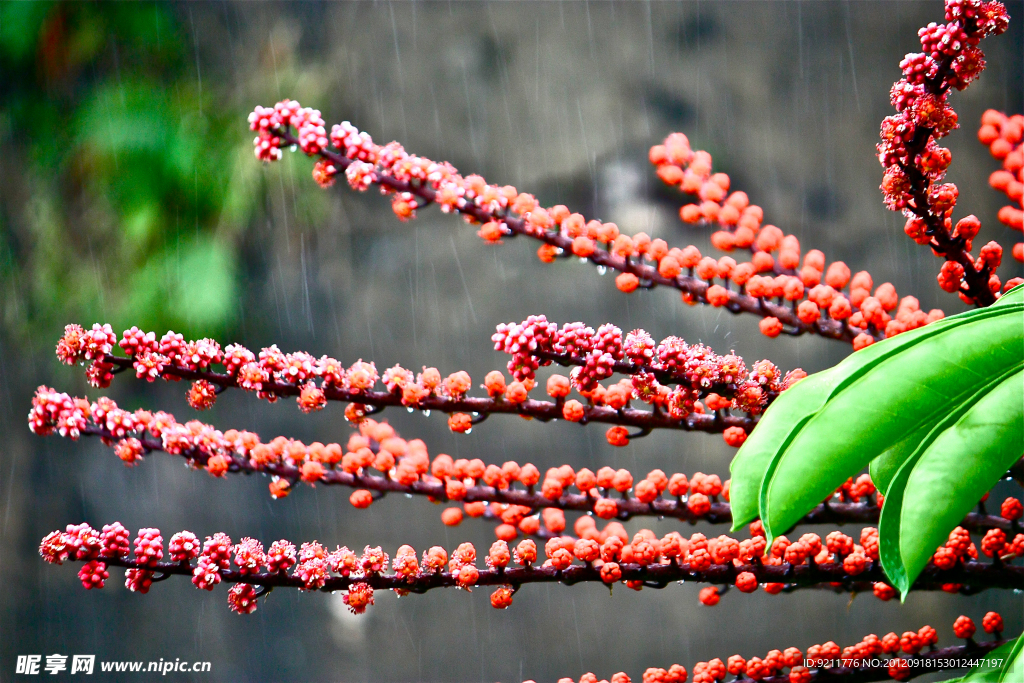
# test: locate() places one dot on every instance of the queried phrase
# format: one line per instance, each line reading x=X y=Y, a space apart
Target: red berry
x=884 y=591
x=992 y=623
x=746 y=582
x=1011 y=509
x=709 y=596
x=964 y=627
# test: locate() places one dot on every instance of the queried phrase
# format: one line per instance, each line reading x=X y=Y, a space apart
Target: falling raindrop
x=601 y=270
x=409 y=409
x=426 y=413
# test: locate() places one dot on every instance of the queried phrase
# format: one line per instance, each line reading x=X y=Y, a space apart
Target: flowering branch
x=646 y=562
x=774 y=253
x=404 y=466
x=914 y=162
x=696 y=371
x=275 y=374
x=872 y=659
x=415 y=182
x=974 y=574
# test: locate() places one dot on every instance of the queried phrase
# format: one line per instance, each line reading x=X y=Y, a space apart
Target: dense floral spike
x=775 y=270
x=915 y=164
x=872 y=659
x=1003 y=134
x=788 y=298
x=406 y=467
x=696 y=371
x=315 y=381
x=644 y=561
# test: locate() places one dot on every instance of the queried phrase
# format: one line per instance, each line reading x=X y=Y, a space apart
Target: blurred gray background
x=559 y=99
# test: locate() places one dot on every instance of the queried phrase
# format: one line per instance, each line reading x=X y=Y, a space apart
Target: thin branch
x=544 y=411
x=718 y=512
x=694 y=288
x=969 y=574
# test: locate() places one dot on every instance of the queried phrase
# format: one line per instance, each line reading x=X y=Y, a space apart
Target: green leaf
x=876 y=404
x=992 y=674
x=794 y=407
x=960 y=459
x=883 y=468
x=1013 y=666
x=750 y=463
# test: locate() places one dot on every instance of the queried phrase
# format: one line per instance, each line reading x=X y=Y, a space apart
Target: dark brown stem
x=544 y=411
x=973 y=575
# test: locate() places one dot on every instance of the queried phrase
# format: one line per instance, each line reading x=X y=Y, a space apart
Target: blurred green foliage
x=126 y=186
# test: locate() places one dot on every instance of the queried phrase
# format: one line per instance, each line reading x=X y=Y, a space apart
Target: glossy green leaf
x=958 y=461
x=792 y=410
x=875 y=406
x=748 y=466
x=993 y=674
x=883 y=468
x=1013 y=665
x=788 y=413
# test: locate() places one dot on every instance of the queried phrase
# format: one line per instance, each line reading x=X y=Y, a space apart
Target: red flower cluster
x=828 y=661
x=1003 y=134
x=808 y=298
x=774 y=271
x=687 y=386
x=609 y=556
x=314 y=381
x=914 y=162
x=697 y=371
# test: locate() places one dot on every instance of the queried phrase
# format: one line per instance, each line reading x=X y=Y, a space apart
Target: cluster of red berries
x=414 y=181
x=828 y=657
x=314 y=381
x=693 y=498
x=915 y=163
x=994 y=543
x=376 y=446
x=1003 y=134
x=813 y=290
x=311 y=563
x=608 y=555
x=696 y=370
